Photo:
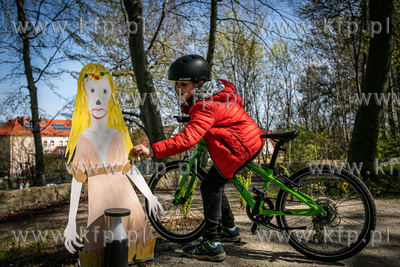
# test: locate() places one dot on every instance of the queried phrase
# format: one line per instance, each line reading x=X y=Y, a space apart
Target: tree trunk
x=39 y=162
x=210 y=56
x=364 y=139
x=150 y=110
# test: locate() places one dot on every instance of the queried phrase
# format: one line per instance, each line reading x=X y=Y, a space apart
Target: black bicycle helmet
x=189 y=68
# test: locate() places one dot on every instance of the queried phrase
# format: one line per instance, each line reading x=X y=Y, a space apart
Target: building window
x=59 y=152
x=66 y=143
x=51 y=143
x=44 y=143
x=61 y=143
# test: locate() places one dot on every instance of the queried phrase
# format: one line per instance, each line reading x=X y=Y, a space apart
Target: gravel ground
x=249 y=252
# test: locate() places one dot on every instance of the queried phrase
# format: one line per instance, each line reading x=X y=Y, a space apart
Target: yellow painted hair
x=82 y=119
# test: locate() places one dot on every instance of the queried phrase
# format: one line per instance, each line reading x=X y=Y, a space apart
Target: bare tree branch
x=135 y=122
x=53 y=19
x=58 y=112
x=49 y=62
x=131 y=114
x=164 y=9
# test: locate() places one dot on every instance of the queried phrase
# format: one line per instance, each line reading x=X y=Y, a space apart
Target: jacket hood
x=227 y=94
x=220 y=91
x=209 y=89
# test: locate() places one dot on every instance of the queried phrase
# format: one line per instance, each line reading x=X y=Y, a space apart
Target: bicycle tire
x=176 y=227
x=345 y=185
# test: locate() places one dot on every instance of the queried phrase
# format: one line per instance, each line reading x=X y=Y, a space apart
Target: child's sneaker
x=228 y=235
x=206 y=250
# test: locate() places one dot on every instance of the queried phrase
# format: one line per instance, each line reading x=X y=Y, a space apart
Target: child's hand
x=133 y=154
x=143 y=151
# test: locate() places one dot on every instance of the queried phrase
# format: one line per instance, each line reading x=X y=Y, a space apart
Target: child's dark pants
x=216 y=205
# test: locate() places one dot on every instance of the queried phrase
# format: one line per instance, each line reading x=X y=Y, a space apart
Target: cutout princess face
x=99 y=93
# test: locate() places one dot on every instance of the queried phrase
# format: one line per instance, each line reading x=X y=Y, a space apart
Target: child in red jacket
x=232 y=137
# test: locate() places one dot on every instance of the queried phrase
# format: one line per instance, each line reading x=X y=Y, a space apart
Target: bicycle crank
x=264 y=220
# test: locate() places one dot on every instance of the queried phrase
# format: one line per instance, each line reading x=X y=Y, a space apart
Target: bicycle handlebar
x=182 y=119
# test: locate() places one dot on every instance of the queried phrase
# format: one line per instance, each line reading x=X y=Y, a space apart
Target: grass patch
x=28 y=249
x=28 y=254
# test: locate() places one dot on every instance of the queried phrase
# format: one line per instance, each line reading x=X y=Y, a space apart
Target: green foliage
x=138 y=262
x=285 y=170
x=385 y=186
x=388 y=144
x=37 y=244
x=9 y=252
x=315 y=144
x=186 y=205
x=246 y=183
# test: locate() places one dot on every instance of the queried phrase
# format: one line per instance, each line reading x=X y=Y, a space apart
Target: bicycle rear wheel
x=351 y=214
x=183 y=222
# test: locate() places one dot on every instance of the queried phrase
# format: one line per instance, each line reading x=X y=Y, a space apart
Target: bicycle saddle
x=286 y=136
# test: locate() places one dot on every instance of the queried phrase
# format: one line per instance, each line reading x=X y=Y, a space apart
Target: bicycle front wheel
x=351 y=214
x=184 y=222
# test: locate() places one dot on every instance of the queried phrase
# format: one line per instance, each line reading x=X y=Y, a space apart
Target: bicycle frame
x=314 y=210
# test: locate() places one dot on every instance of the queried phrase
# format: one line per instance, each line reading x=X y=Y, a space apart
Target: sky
x=48 y=101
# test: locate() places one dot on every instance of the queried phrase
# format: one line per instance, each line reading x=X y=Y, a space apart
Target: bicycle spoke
x=345 y=201
x=352 y=223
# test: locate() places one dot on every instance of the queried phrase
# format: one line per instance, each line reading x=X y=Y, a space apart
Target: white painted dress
x=110 y=191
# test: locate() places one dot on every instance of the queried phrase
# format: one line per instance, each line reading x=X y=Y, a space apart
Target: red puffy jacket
x=231 y=135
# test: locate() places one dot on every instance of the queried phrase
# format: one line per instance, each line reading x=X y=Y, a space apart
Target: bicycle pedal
x=259 y=190
x=256 y=209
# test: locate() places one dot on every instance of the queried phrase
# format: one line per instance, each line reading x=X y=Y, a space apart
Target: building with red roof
x=17 y=151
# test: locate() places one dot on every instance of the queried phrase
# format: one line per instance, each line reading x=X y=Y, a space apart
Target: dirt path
x=249 y=252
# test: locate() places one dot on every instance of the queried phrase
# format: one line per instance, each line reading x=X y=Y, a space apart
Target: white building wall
x=47 y=141
x=22 y=149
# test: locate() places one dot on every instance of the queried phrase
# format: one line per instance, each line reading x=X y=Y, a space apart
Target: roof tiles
x=23 y=126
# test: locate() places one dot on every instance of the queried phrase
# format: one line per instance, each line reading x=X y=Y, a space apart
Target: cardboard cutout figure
x=100 y=142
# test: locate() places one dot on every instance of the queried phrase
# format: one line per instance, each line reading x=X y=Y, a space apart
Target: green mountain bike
x=328 y=215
